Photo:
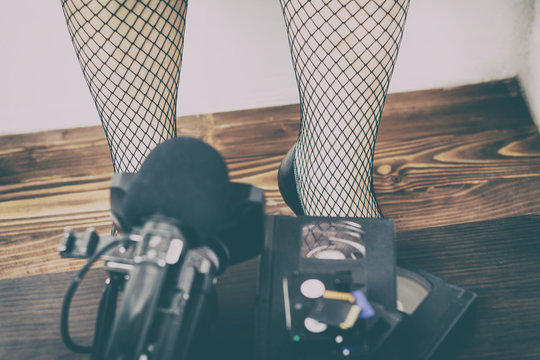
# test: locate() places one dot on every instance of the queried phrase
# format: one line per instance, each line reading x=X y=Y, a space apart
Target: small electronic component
x=332 y=312
x=361 y=300
x=339 y=295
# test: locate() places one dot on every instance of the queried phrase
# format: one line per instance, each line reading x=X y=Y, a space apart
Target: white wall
x=530 y=73
x=241 y=61
x=236 y=57
x=448 y=43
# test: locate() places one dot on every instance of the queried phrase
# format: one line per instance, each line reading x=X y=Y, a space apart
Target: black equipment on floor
x=182 y=223
x=329 y=288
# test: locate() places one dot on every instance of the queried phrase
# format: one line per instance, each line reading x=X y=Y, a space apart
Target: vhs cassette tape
x=314 y=273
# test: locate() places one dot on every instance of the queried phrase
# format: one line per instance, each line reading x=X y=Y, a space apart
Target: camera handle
x=106 y=314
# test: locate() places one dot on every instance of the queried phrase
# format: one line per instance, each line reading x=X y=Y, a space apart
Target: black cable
x=64 y=320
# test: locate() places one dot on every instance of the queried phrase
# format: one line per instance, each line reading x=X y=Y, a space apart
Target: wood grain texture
x=498 y=259
x=443 y=157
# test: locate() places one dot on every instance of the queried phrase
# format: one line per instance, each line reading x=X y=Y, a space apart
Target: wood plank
x=443 y=157
x=447 y=179
x=500 y=261
x=463 y=109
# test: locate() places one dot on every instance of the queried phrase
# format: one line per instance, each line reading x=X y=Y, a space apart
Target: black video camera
x=166 y=260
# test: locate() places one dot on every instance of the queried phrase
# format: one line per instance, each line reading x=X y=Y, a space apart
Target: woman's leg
x=130 y=53
x=343 y=53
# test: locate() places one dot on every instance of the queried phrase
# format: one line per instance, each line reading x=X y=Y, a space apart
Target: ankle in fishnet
x=343 y=53
x=130 y=53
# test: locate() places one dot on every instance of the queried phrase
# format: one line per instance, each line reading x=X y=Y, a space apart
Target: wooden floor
x=442 y=157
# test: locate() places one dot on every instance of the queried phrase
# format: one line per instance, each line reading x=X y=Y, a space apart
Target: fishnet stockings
x=343 y=53
x=130 y=53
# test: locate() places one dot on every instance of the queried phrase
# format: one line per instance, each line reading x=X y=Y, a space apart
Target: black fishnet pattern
x=343 y=53
x=130 y=53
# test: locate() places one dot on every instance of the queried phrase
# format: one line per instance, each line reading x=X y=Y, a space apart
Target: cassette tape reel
x=412 y=290
x=333 y=241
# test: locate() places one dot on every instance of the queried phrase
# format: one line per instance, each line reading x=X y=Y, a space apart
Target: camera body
x=168 y=291
x=167 y=275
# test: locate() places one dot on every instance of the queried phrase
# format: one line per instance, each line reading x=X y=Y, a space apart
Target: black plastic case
x=424 y=327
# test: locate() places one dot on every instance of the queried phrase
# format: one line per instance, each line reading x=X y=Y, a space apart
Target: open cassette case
x=332 y=288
